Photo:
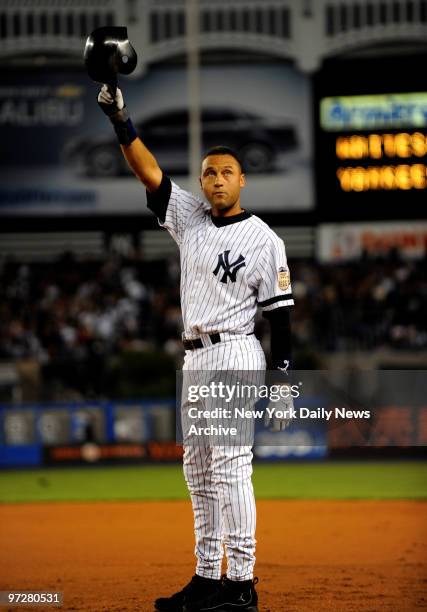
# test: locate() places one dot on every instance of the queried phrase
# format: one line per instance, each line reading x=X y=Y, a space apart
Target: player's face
x=221 y=182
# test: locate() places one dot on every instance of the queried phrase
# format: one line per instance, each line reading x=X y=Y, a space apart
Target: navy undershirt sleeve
x=157 y=201
x=280 y=325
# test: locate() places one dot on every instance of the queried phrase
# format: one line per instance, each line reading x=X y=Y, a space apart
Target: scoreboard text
x=371 y=150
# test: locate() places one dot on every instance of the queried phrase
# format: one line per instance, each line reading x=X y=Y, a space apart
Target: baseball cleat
x=232 y=596
x=195 y=590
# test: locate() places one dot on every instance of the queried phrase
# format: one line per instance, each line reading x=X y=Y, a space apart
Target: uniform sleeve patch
x=284 y=279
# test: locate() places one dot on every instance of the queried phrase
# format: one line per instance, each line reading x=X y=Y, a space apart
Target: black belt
x=197 y=343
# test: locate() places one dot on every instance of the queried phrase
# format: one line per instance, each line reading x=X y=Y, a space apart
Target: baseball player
x=231 y=264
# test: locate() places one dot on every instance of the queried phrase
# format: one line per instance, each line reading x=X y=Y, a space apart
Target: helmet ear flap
x=125 y=57
x=107 y=53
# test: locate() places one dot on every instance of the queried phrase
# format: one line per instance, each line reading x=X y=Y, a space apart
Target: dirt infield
x=312 y=556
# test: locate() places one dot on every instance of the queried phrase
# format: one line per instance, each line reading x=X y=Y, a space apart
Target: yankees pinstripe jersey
x=229 y=265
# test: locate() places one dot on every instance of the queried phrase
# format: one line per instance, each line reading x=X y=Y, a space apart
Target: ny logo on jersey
x=229 y=268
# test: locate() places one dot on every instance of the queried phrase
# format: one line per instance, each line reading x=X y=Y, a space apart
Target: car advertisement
x=60 y=155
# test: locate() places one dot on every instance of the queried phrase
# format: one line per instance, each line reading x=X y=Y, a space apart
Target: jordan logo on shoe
x=238 y=603
x=244 y=600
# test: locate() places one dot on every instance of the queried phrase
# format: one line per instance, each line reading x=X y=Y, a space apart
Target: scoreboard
x=371 y=141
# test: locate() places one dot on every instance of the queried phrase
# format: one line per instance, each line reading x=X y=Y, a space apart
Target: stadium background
x=90 y=322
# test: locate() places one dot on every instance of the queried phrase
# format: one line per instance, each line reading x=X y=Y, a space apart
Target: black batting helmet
x=107 y=53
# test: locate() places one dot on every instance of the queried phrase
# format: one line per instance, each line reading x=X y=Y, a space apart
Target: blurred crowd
x=72 y=315
x=362 y=305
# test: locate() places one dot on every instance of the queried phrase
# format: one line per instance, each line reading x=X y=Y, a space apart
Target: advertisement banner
x=60 y=155
x=359 y=113
x=347 y=242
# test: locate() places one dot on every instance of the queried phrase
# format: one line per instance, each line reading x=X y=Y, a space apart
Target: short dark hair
x=223 y=150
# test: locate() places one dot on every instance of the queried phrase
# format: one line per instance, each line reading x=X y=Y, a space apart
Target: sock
x=239 y=585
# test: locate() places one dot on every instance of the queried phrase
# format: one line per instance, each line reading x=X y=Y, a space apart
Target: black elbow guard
x=281 y=348
x=158 y=200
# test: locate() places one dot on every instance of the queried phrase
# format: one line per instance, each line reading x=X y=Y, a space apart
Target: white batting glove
x=110 y=105
x=279 y=414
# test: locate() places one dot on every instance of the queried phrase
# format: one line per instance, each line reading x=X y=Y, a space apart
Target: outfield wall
x=143 y=431
x=117 y=432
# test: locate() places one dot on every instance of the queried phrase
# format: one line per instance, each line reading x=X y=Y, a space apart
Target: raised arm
x=174 y=207
x=141 y=161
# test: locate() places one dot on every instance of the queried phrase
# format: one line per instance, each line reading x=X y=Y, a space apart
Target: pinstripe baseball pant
x=219 y=477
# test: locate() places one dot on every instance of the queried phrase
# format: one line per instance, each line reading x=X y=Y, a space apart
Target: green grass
x=355 y=480
x=391 y=480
